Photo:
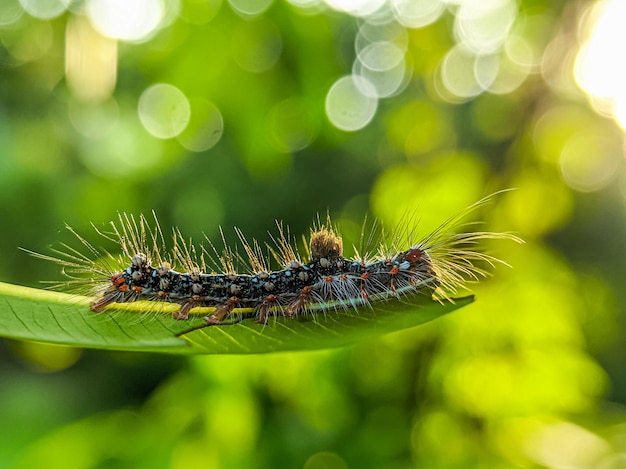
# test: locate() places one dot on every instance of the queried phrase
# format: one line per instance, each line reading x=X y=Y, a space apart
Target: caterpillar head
x=126 y=285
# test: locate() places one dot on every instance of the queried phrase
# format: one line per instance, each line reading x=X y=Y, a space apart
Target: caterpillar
x=437 y=264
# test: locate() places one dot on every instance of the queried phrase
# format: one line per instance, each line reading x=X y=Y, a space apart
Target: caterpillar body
x=437 y=264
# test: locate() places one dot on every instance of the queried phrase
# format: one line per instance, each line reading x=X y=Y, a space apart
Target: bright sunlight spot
x=599 y=69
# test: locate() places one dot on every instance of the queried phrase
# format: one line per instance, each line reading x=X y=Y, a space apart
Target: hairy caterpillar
x=436 y=264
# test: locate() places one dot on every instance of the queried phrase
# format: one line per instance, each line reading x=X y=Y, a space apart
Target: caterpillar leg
x=265 y=308
x=183 y=313
x=300 y=303
x=392 y=278
x=222 y=310
x=108 y=297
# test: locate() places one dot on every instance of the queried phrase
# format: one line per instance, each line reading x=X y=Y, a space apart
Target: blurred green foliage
x=531 y=375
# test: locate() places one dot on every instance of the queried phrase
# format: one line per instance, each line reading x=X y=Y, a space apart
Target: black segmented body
x=326 y=279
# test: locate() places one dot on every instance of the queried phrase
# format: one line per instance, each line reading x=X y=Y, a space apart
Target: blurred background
x=240 y=112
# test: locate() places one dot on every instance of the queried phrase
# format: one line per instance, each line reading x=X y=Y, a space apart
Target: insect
x=191 y=276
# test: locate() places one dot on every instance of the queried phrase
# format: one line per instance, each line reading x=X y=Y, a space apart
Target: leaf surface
x=58 y=318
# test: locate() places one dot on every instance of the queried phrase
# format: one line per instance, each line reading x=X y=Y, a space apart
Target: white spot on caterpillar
x=139 y=260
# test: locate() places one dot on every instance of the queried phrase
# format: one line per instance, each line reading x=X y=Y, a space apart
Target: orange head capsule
x=414 y=255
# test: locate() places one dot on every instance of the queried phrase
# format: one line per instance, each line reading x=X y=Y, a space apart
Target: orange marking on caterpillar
x=118 y=279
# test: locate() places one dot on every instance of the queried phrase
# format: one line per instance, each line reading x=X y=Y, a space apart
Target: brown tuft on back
x=325 y=243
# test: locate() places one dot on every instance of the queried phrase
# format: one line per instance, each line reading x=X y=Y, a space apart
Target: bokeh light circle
x=417 y=13
x=94 y=121
x=457 y=73
x=122 y=151
x=382 y=55
x=356 y=7
x=205 y=128
x=126 y=20
x=164 y=110
x=249 y=7
x=386 y=83
x=291 y=125
x=45 y=9
x=486 y=68
x=307 y=6
x=483 y=27
x=347 y=106
x=510 y=76
x=590 y=160
x=256 y=45
x=200 y=11
x=10 y=12
x=390 y=31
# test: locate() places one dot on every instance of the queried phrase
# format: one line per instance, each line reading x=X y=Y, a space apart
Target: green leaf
x=46 y=316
